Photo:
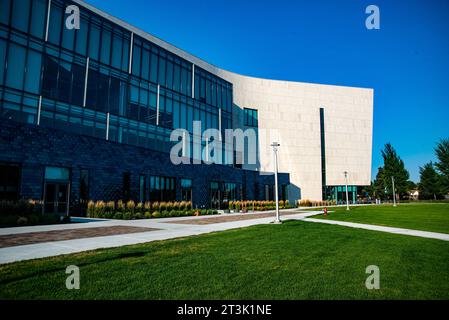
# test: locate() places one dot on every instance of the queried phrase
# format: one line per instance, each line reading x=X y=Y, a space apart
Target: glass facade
x=100 y=80
x=338 y=193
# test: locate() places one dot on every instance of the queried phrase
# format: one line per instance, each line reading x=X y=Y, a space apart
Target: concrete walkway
x=168 y=228
x=408 y=232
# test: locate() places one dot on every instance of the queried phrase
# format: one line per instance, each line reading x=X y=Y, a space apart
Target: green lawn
x=295 y=260
x=426 y=217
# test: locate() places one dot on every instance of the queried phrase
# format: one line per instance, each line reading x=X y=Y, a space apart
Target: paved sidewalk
x=167 y=228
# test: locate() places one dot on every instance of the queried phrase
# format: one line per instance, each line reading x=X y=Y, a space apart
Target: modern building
x=87 y=113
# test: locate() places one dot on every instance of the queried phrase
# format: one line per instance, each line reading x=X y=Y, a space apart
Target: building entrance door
x=215 y=196
x=56 y=198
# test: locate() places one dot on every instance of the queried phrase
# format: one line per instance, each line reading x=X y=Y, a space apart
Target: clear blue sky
x=322 y=41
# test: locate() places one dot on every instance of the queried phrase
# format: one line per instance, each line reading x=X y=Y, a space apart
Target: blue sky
x=322 y=41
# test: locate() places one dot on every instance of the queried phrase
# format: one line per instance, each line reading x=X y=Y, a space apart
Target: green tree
x=442 y=153
x=430 y=186
x=378 y=188
x=394 y=167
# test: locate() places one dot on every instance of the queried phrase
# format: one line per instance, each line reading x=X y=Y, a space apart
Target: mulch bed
x=21 y=239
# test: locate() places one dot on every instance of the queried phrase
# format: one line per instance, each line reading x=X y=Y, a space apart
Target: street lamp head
x=346 y=173
x=275 y=144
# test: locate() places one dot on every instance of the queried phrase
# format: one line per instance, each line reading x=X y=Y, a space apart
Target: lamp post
x=394 y=192
x=347 y=197
x=275 y=146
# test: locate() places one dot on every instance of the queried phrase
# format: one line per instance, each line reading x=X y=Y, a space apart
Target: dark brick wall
x=36 y=147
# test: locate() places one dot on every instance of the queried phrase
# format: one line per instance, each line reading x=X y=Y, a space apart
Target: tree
x=378 y=188
x=430 y=186
x=394 y=167
x=442 y=153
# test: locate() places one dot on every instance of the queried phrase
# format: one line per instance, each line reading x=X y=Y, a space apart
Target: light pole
x=394 y=192
x=347 y=197
x=275 y=146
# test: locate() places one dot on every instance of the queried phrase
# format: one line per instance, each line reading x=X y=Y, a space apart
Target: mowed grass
x=426 y=217
x=295 y=260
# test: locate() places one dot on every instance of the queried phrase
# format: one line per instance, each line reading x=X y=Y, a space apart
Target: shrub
x=173 y=213
x=22 y=221
x=109 y=215
x=131 y=206
x=156 y=214
x=91 y=209
x=231 y=205
x=120 y=206
x=214 y=212
x=155 y=206
x=139 y=207
x=138 y=215
x=118 y=216
x=165 y=214
x=148 y=215
x=147 y=206
x=110 y=207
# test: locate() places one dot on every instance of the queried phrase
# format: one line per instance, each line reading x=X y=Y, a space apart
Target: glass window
x=161 y=68
x=176 y=78
x=20 y=13
x=153 y=68
x=125 y=54
x=78 y=76
x=142 y=188
x=106 y=46
x=81 y=37
x=2 y=59
x=94 y=40
x=84 y=186
x=64 y=81
x=136 y=60
x=38 y=18
x=186 y=189
x=56 y=173
x=55 y=25
x=169 y=74
x=50 y=78
x=250 y=117
x=4 y=11
x=33 y=73
x=68 y=37
x=184 y=81
x=117 y=44
x=126 y=186
x=16 y=66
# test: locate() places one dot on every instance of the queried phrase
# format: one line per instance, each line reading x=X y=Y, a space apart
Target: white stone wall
x=290 y=110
